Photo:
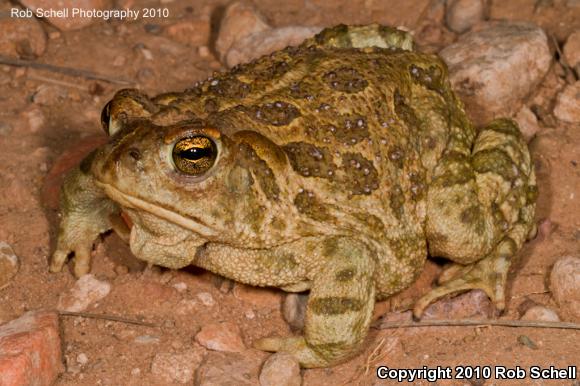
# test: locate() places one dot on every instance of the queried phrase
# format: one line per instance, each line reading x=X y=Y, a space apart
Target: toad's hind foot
x=296 y=346
x=488 y=274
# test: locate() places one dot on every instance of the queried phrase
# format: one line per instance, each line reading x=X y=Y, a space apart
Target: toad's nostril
x=135 y=154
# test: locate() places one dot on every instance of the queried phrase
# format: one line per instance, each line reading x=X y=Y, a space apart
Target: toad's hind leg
x=480 y=212
x=339 y=309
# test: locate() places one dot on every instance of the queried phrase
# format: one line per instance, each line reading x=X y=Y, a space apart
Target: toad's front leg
x=339 y=308
x=86 y=213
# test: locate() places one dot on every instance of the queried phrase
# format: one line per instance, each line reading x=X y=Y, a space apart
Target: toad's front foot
x=86 y=213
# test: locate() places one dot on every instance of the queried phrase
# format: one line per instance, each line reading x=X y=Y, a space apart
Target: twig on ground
x=57 y=82
x=107 y=317
x=474 y=322
x=61 y=70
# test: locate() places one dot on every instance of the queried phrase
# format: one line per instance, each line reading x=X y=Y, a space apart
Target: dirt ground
x=40 y=136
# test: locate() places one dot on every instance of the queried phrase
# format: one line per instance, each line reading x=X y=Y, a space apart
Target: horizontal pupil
x=195 y=153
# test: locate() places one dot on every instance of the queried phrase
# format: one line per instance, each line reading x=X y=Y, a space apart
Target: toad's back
x=362 y=129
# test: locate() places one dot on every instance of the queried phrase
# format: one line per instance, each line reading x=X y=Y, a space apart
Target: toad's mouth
x=128 y=201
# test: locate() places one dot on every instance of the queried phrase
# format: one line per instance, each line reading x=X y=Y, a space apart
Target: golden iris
x=194 y=155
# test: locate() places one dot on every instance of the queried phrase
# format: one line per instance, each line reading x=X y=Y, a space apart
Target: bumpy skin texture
x=340 y=164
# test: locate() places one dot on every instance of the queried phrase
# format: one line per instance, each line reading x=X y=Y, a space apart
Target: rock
x=461 y=15
x=433 y=37
x=493 y=69
x=147 y=339
x=191 y=32
x=565 y=285
x=34 y=117
x=540 y=313
x=70 y=21
x=265 y=42
x=572 y=49
x=527 y=122
x=9 y=264
x=47 y=95
x=294 y=310
x=82 y=359
x=545 y=228
x=86 y=291
x=240 y=19
x=262 y=298
x=204 y=52
x=470 y=305
x=177 y=367
x=281 y=369
x=30 y=350
x=224 y=336
x=568 y=104
x=21 y=37
x=180 y=287
x=206 y=299
x=230 y=369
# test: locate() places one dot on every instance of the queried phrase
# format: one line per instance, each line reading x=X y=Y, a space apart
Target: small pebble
x=280 y=369
x=204 y=52
x=121 y=270
x=565 y=285
x=153 y=29
x=294 y=310
x=240 y=19
x=118 y=61
x=180 y=287
x=86 y=291
x=35 y=118
x=540 y=313
x=82 y=359
x=572 y=49
x=546 y=228
x=225 y=336
x=206 y=299
x=461 y=15
x=527 y=122
x=526 y=341
x=147 y=339
x=567 y=107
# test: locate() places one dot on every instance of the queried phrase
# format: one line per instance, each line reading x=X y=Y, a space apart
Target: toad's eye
x=194 y=155
x=106 y=117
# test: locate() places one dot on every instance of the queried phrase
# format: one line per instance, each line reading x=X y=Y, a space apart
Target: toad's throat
x=129 y=201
